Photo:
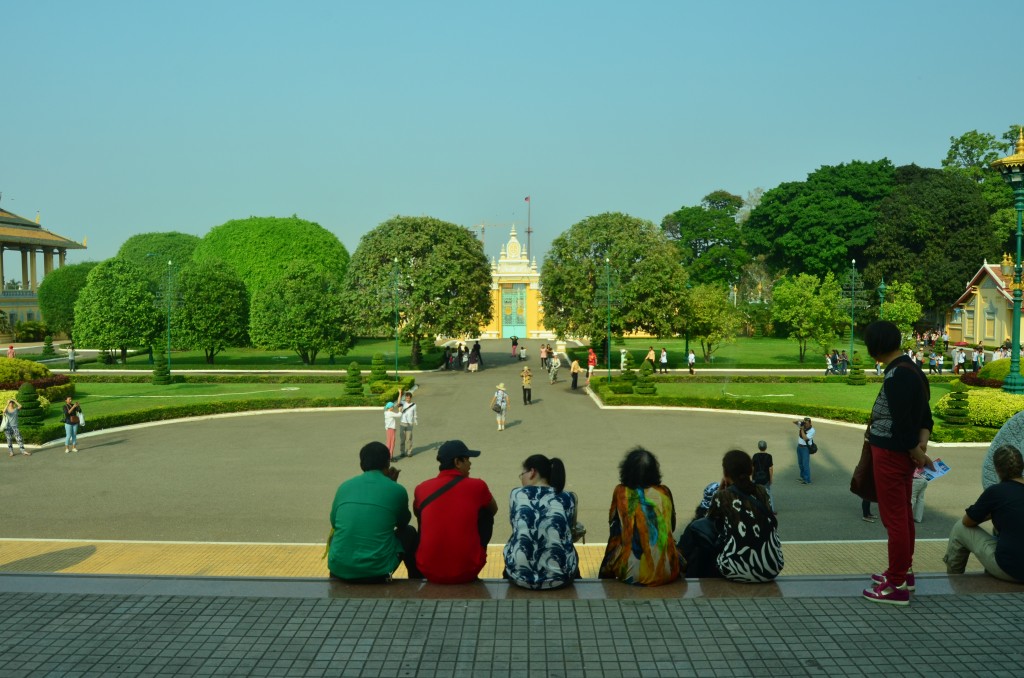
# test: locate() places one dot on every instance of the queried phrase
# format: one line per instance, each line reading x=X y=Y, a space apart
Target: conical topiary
x=856 y=376
x=645 y=382
x=48 y=351
x=628 y=374
x=161 y=375
x=31 y=414
x=354 y=381
x=378 y=370
x=958 y=414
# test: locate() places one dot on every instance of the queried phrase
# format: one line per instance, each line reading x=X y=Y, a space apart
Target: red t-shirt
x=450 y=551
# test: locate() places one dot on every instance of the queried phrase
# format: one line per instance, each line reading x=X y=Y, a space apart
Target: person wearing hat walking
x=500 y=404
x=456 y=518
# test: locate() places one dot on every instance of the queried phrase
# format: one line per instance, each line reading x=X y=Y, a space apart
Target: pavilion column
x=63 y=255
x=47 y=261
x=32 y=267
x=3 y=280
x=24 y=268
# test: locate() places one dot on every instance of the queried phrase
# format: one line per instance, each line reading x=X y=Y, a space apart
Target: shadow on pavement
x=55 y=561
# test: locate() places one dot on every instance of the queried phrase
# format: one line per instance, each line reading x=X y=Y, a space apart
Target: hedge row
x=185 y=378
x=779 y=378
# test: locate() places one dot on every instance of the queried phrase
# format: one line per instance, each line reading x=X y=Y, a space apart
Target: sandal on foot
x=26 y=453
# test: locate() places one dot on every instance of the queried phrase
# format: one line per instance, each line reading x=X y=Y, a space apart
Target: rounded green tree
x=354 y=380
x=32 y=413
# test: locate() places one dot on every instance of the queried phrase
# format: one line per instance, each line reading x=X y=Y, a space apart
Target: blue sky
x=128 y=117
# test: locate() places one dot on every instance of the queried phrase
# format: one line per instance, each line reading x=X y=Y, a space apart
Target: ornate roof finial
x=1020 y=139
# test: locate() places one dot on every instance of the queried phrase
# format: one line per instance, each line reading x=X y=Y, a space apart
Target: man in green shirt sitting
x=370 y=517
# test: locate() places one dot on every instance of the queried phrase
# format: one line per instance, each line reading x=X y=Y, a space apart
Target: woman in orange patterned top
x=641 y=549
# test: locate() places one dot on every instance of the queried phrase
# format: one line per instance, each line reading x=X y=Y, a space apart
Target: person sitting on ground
x=370 y=530
x=456 y=518
x=641 y=549
x=540 y=553
x=1002 y=557
x=748 y=536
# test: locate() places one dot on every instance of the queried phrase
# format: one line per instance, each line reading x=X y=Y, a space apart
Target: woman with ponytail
x=750 y=550
x=540 y=554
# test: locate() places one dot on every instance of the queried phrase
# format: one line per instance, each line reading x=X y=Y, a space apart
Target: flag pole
x=529 y=229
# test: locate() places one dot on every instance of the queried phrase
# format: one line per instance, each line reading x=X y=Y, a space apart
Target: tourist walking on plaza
x=591 y=362
x=540 y=553
x=554 y=363
x=764 y=470
x=72 y=366
x=392 y=414
x=574 y=370
x=10 y=426
x=10 y=352
x=456 y=518
x=1003 y=503
x=664 y=360
x=543 y=356
x=691 y=360
x=901 y=425
x=641 y=549
x=72 y=418
x=527 y=376
x=406 y=423
x=804 y=440
x=650 y=358
x=474 y=361
x=370 y=530
x=500 y=405
x=515 y=346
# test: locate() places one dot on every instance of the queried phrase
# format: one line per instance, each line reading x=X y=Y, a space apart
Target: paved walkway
x=249 y=496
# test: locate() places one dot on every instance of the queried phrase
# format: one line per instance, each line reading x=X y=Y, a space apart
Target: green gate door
x=513 y=310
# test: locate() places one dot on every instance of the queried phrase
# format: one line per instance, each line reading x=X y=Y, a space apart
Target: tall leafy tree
x=212 y=312
x=709 y=238
x=818 y=225
x=151 y=252
x=648 y=284
x=261 y=248
x=301 y=311
x=811 y=308
x=116 y=309
x=58 y=293
x=711 y=318
x=901 y=306
x=933 y=233
x=435 y=270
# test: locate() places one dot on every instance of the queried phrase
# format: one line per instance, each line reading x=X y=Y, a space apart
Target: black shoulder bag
x=438 y=492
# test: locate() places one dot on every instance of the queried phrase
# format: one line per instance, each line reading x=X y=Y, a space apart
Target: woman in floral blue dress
x=540 y=553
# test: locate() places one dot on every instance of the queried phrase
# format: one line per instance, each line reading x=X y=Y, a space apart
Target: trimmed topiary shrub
x=161 y=375
x=48 y=351
x=378 y=370
x=856 y=376
x=628 y=374
x=984 y=406
x=354 y=380
x=621 y=387
x=16 y=370
x=645 y=384
x=997 y=369
x=32 y=412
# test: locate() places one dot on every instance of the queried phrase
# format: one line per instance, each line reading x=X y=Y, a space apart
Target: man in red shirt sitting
x=456 y=517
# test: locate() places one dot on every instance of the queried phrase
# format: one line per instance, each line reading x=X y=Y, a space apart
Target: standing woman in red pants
x=901 y=424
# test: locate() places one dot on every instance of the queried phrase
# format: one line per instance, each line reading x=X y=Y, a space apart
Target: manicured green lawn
x=255 y=359
x=746 y=352
x=833 y=395
x=101 y=399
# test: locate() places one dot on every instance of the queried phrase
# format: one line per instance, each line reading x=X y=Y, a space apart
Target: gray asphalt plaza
x=270 y=478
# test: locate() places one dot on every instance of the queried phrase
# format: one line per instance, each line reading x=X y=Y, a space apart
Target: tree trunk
x=303 y=356
x=124 y=355
x=417 y=353
x=209 y=355
x=312 y=356
x=803 y=349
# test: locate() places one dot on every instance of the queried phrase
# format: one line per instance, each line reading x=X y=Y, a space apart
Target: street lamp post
x=394 y=280
x=608 y=294
x=1012 y=169
x=170 y=267
x=853 y=299
x=881 y=299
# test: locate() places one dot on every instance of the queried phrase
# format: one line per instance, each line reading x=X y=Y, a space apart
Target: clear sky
x=127 y=117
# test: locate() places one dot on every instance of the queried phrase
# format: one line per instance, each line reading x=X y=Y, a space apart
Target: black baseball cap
x=453 y=449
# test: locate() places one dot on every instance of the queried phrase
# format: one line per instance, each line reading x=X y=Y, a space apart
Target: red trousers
x=894 y=473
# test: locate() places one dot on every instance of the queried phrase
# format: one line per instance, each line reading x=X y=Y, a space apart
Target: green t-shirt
x=365 y=513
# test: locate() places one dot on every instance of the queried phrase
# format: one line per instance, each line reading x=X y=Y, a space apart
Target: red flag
x=527 y=198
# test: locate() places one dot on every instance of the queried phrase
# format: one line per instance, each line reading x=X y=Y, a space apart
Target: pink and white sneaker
x=877 y=579
x=889 y=594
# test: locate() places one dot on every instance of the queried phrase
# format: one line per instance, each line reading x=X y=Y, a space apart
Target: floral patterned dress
x=641 y=549
x=540 y=553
